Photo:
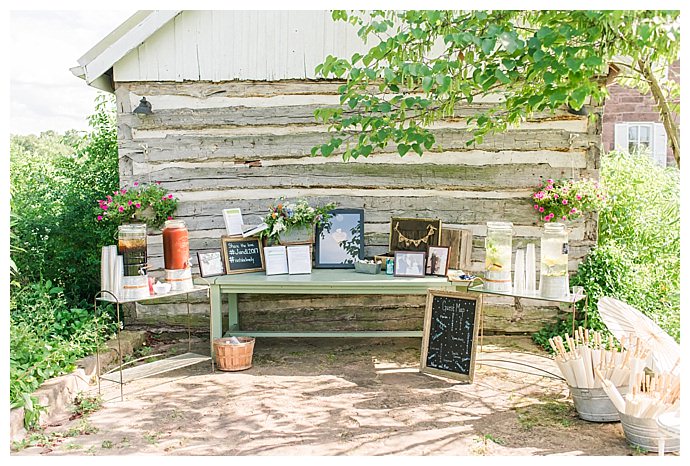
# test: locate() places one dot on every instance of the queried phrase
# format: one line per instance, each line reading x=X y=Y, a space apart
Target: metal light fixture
x=144 y=107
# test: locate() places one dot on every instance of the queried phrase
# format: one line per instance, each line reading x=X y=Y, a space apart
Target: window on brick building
x=644 y=137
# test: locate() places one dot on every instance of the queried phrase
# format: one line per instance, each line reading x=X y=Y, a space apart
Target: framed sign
x=414 y=234
x=409 y=264
x=210 y=264
x=449 y=341
x=242 y=254
x=437 y=260
x=340 y=242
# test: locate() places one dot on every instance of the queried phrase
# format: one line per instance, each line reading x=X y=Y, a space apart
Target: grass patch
x=547 y=412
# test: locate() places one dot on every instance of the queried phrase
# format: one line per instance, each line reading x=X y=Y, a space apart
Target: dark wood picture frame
x=399 y=271
x=224 y=240
x=429 y=261
x=477 y=318
x=199 y=256
x=414 y=234
x=322 y=263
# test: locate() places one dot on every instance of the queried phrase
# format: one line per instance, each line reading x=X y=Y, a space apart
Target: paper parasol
x=623 y=319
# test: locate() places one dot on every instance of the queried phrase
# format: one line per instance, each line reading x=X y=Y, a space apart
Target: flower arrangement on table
x=561 y=200
x=148 y=203
x=285 y=216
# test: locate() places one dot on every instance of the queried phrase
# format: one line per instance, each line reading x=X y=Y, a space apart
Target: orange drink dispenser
x=178 y=271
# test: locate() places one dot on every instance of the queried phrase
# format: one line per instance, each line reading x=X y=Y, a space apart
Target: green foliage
x=54 y=180
x=637 y=259
x=538 y=60
x=567 y=199
x=85 y=404
x=148 y=203
x=46 y=337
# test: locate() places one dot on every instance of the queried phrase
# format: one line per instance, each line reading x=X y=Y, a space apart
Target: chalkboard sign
x=242 y=254
x=451 y=325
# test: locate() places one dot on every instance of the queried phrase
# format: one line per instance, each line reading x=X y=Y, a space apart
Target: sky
x=44 y=45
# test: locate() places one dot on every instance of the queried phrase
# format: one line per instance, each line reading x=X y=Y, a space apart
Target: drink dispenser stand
x=554 y=261
x=499 y=251
x=178 y=270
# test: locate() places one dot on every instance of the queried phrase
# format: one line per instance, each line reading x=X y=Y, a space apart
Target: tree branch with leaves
x=423 y=64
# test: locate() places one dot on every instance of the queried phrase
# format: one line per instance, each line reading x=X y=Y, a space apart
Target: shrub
x=637 y=258
x=46 y=338
x=54 y=180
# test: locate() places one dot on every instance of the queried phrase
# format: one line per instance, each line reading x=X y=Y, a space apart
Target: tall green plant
x=54 y=180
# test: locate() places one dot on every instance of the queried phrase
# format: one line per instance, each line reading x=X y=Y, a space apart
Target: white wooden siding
x=239 y=45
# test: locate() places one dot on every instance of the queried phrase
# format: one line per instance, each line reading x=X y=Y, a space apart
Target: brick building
x=632 y=121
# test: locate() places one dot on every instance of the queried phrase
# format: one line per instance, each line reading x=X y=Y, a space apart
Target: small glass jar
x=554 y=261
x=175 y=245
x=131 y=245
x=499 y=250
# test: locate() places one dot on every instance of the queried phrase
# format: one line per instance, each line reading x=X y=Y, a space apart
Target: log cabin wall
x=244 y=144
x=233 y=130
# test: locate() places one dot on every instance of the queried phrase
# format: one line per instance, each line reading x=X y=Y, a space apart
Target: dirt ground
x=339 y=397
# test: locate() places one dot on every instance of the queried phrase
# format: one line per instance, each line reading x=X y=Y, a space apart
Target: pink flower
x=109 y=197
x=549 y=187
x=547 y=219
x=136 y=183
x=121 y=209
x=124 y=191
x=99 y=218
x=555 y=196
x=169 y=218
x=550 y=181
x=129 y=202
x=158 y=182
x=579 y=198
x=104 y=207
x=117 y=193
x=163 y=198
x=536 y=206
x=170 y=196
x=541 y=209
x=565 y=201
x=564 y=217
x=573 y=210
x=137 y=205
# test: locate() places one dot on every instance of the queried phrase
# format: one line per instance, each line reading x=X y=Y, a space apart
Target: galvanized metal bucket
x=594 y=405
x=645 y=433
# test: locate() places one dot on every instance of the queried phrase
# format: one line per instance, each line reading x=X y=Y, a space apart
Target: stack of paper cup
x=530 y=270
x=519 y=281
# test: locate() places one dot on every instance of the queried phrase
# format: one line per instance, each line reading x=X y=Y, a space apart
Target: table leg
x=233 y=312
x=216 y=315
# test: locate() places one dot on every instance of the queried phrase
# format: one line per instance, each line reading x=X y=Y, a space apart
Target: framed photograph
x=210 y=264
x=340 y=242
x=409 y=264
x=414 y=234
x=437 y=260
x=242 y=254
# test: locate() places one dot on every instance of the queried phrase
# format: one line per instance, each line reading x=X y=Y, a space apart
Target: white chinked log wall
x=233 y=96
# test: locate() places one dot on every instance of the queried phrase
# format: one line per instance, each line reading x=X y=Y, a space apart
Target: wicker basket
x=235 y=357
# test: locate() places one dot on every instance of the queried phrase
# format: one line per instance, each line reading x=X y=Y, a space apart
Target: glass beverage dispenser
x=131 y=245
x=499 y=250
x=554 y=261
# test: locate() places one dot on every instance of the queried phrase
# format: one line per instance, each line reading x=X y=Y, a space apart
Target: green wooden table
x=320 y=281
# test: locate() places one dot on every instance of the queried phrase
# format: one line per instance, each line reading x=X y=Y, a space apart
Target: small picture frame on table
x=409 y=264
x=210 y=264
x=437 y=260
